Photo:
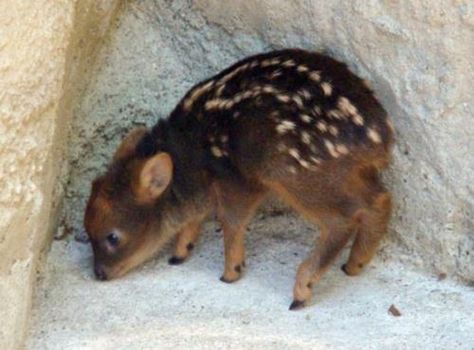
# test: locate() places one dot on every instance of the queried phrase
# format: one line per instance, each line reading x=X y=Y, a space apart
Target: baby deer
x=295 y=123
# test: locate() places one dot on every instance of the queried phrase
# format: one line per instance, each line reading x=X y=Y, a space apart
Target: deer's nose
x=100 y=272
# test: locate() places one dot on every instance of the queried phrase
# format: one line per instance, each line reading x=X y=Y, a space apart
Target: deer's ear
x=129 y=143
x=154 y=177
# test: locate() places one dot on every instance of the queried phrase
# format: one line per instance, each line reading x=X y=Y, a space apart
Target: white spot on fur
x=322 y=126
x=374 y=135
x=333 y=130
x=331 y=149
x=228 y=104
x=305 y=118
x=212 y=104
x=289 y=63
x=317 y=110
x=299 y=102
x=285 y=126
x=347 y=108
x=275 y=61
x=302 y=68
x=237 y=98
x=357 y=119
x=271 y=62
x=232 y=74
x=283 y=98
x=315 y=76
x=220 y=90
x=303 y=163
x=196 y=93
x=269 y=89
x=305 y=137
x=336 y=114
x=342 y=149
x=294 y=153
x=305 y=94
x=216 y=151
x=327 y=88
x=275 y=74
x=247 y=94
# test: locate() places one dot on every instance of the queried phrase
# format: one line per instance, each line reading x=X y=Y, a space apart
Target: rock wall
x=418 y=56
x=45 y=48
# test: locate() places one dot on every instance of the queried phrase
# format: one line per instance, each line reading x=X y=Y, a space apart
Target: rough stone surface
x=186 y=307
x=37 y=70
x=418 y=56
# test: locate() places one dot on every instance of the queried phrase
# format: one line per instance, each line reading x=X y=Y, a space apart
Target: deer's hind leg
x=372 y=225
x=332 y=210
x=343 y=203
x=336 y=231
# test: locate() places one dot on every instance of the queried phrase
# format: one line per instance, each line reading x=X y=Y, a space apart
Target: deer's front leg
x=186 y=241
x=234 y=250
x=236 y=205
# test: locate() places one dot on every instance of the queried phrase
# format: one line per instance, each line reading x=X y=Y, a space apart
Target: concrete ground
x=186 y=307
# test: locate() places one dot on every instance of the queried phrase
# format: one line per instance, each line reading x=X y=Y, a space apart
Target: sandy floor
x=187 y=307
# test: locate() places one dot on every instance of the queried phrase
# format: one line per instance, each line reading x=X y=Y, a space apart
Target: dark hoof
x=174 y=260
x=225 y=280
x=296 y=305
x=344 y=268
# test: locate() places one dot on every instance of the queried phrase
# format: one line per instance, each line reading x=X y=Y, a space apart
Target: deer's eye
x=113 y=239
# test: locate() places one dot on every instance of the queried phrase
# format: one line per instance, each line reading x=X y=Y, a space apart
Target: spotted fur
x=313 y=94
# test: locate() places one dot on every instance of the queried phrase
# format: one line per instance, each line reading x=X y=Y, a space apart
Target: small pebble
x=394 y=311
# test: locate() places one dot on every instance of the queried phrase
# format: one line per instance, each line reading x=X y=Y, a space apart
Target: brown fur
x=291 y=122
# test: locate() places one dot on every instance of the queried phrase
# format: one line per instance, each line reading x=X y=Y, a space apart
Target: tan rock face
x=417 y=55
x=37 y=69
